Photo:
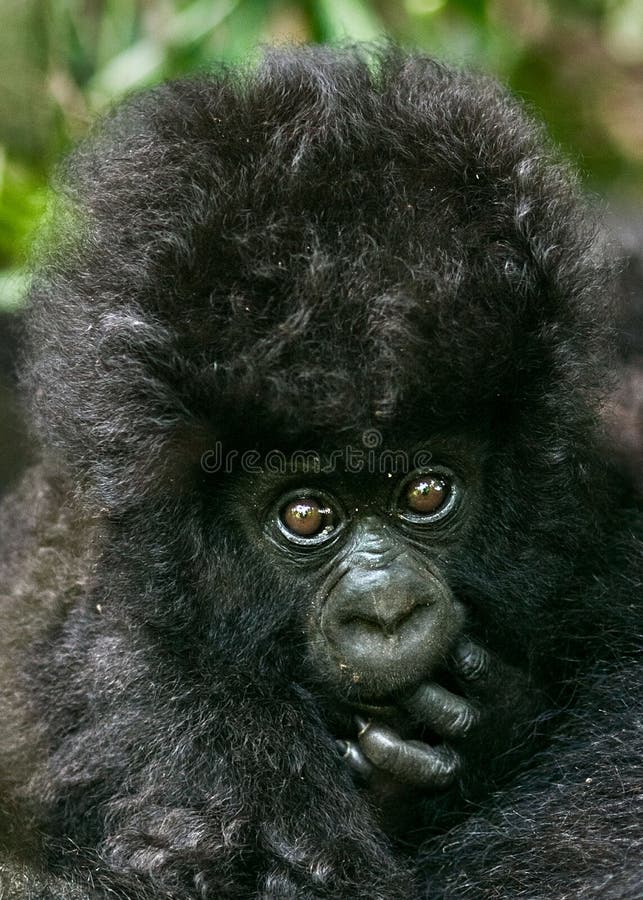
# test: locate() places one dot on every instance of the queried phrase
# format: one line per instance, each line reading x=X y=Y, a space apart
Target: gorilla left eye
x=307 y=519
x=426 y=496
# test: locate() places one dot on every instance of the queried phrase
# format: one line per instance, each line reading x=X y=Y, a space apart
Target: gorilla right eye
x=307 y=519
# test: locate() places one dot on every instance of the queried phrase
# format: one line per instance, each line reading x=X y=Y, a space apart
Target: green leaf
x=352 y=20
x=23 y=199
x=144 y=62
x=13 y=288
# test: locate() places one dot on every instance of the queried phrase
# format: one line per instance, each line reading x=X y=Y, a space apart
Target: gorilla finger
x=410 y=762
x=445 y=713
x=472 y=663
x=355 y=759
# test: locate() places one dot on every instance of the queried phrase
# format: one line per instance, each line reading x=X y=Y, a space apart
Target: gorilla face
x=368 y=557
x=382 y=615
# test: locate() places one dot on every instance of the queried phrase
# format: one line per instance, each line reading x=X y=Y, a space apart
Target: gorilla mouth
x=380 y=710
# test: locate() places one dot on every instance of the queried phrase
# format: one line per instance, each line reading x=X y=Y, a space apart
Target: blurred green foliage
x=578 y=63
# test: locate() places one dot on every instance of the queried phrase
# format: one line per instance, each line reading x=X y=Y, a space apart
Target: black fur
x=282 y=259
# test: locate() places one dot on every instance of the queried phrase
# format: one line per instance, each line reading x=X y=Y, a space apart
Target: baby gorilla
x=325 y=582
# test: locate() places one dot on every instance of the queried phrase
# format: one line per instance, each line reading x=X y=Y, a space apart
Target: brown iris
x=306 y=517
x=426 y=494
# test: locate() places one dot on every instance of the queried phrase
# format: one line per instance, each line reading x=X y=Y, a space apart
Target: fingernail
x=362 y=725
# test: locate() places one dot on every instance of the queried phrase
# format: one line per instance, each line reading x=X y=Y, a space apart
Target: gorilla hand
x=487 y=686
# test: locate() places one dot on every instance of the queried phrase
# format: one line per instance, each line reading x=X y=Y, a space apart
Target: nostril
x=388 y=622
x=358 y=623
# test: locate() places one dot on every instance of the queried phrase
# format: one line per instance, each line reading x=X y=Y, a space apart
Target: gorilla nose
x=377 y=607
x=385 y=612
x=388 y=625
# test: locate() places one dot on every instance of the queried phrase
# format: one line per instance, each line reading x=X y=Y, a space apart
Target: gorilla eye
x=426 y=496
x=304 y=517
x=307 y=519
